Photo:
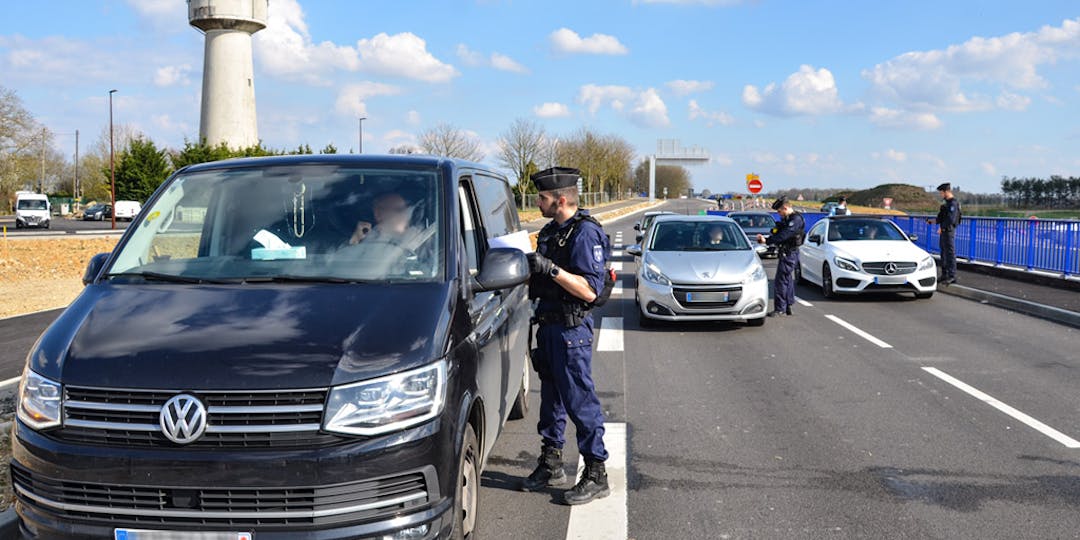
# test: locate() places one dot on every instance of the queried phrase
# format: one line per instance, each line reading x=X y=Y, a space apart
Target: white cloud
x=897 y=119
x=412 y=118
x=891 y=155
x=806 y=92
x=164 y=14
x=988 y=168
x=285 y=48
x=643 y=108
x=551 y=110
x=565 y=40
x=173 y=75
x=468 y=56
x=352 y=98
x=505 y=63
x=711 y=118
x=934 y=80
x=1012 y=102
x=684 y=88
x=723 y=160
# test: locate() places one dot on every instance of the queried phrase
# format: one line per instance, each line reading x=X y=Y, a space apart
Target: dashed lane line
x=1058 y=436
x=617 y=266
x=803 y=302
x=605 y=519
x=859 y=332
x=11 y=381
x=610 y=337
x=617 y=289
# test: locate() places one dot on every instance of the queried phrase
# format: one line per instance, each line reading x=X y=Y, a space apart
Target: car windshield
x=698 y=236
x=310 y=222
x=754 y=221
x=32 y=204
x=863 y=229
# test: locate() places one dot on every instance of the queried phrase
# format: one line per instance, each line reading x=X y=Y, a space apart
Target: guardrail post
x=1068 y=247
x=1031 y=245
x=971 y=239
x=999 y=242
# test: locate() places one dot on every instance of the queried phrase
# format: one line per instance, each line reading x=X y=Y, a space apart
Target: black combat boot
x=548 y=472
x=593 y=484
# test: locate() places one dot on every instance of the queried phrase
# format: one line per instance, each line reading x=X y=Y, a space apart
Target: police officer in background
x=788 y=238
x=568 y=272
x=948 y=219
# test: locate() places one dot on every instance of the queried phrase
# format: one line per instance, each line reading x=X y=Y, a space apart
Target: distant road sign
x=754 y=185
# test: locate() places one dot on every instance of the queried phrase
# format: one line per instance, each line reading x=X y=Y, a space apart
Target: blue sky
x=806 y=94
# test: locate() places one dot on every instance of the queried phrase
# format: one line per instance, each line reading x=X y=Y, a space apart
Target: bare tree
x=520 y=148
x=405 y=148
x=450 y=141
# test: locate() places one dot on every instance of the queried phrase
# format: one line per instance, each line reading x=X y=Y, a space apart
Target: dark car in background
x=97 y=212
x=755 y=223
x=247 y=363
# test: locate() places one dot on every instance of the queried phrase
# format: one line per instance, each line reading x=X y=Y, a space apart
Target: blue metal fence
x=1051 y=245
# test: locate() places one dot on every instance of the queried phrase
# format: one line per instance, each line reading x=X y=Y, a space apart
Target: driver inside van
x=392 y=216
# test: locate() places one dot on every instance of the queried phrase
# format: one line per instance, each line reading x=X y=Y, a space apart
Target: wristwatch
x=553 y=272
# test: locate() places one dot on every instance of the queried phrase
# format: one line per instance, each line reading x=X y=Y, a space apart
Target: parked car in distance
x=32 y=210
x=754 y=223
x=238 y=364
x=127 y=210
x=97 y=212
x=857 y=254
x=699 y=268
x=827 y=207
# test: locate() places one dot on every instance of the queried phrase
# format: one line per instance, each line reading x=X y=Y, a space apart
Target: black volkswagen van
x=291 y=347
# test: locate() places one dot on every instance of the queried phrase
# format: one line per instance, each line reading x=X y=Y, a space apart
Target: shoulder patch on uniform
x=598 y=253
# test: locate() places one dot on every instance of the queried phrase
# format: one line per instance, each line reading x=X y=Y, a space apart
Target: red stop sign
x=754 y=186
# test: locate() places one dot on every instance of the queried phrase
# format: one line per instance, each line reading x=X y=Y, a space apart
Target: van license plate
x=140 y=534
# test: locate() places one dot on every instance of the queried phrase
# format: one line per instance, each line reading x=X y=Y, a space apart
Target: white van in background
x=32 y=210
x=127 y=210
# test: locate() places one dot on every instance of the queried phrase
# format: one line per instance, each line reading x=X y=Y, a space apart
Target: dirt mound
x=904 y=196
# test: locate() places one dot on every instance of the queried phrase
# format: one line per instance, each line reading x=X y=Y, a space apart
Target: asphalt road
x=805 y=428
x=60 y=225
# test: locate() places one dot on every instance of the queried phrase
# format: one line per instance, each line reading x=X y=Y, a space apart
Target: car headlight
x=757 y=275
x=39 y=401
x=652 y=273
x=386 y=404
x=845 y=264
x=926 y=264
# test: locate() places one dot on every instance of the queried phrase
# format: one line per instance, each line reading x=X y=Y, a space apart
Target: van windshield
x=32 y=204
x=312 y=222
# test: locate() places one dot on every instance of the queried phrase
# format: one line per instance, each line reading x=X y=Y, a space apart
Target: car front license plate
x=707 y=297
x=141 y=534
x=890 y=280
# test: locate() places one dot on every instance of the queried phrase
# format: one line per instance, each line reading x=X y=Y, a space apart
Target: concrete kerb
x=9 y=524
x=1050 y=313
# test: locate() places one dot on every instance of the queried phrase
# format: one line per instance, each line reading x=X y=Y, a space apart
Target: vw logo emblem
x=890 y=268
x=183 y=419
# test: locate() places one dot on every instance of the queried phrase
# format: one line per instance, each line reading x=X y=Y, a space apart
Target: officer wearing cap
x=947 y=220
x=568 y=272
x=788 y=238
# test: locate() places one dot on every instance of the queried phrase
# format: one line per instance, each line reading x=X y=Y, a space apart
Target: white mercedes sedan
x=699 y=268
x=857 y=254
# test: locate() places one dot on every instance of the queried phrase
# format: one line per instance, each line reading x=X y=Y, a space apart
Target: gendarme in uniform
x=948 y=219
x=787 y=239
x=571 y=258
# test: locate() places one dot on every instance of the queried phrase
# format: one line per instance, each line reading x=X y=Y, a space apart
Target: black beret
x=556 y=178
x=945 y=187
x=776 y=205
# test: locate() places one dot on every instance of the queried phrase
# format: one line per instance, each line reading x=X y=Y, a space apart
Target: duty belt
x=548 y=317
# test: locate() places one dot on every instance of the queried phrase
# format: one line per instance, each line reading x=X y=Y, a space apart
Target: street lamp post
x=112 y=161
x=361 y=147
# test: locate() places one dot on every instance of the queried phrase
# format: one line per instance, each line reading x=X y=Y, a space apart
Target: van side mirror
x=761 y=248
x=502 y=268
x=814 y=239
x=634 y=250
x=93 y=268
x=913 y=237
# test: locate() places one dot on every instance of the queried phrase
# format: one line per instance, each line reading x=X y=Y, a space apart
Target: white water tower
x=228 y=90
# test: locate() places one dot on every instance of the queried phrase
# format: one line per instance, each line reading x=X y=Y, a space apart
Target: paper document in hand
x=518 y=240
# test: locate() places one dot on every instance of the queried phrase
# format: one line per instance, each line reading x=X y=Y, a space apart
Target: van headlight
x=757 y=275
x=39 y=401
x=386 y=404
x=926 y=264
x=845 y=264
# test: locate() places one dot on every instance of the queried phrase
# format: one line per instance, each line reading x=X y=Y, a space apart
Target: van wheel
x=468 y=489
x=521 y=404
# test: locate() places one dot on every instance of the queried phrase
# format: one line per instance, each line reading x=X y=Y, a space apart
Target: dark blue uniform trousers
x=948 y=253
x=566 y=388
x=784 y=282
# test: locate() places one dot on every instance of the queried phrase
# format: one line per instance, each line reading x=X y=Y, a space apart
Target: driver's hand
x=361 y=232
x=761 y=239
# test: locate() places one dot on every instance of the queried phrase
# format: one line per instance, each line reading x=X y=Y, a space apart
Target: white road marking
x=605 y=519
x=617 y=266
x=11 y=381
x=1058 y=436
x=610 y=337
x=616 y=253
x=858 y=331
x=803 y=302
x=618 y=246
x=617 y=289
